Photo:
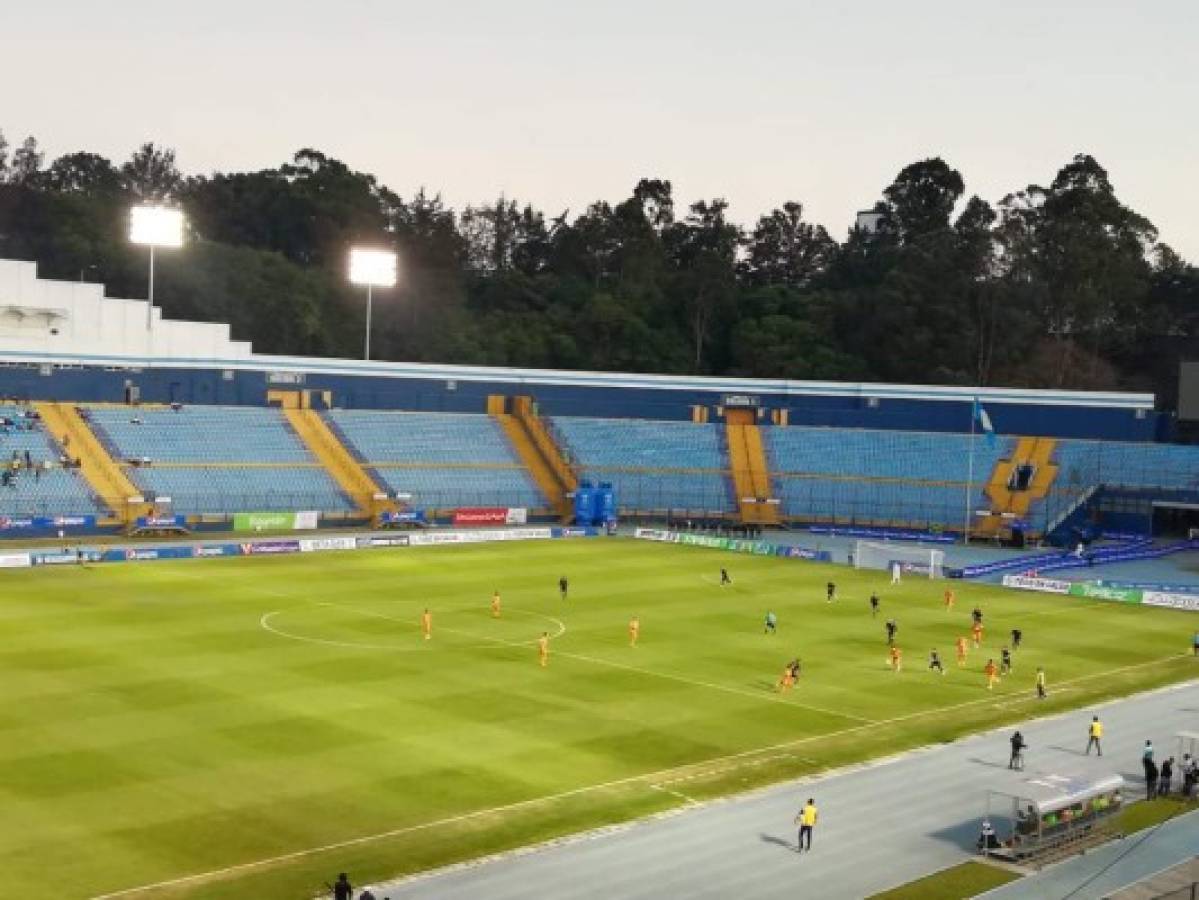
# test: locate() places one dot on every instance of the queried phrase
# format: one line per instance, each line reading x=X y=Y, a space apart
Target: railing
x=543 y=440
x=229 y=502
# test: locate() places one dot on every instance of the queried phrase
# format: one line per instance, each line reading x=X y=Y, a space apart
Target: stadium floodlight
x=373 y=268
x=155 y=226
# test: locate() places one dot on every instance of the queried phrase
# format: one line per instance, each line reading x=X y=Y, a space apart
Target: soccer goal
x=913 y=560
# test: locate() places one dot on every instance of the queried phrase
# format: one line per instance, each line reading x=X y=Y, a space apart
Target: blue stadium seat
x=443 y=460
x=652 y=465
x=894 y=477
x=218 y=459
x=50 y=491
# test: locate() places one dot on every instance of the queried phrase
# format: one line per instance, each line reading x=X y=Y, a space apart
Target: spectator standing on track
x=1188 y=774
x=1147 y=753
x=1094 y=733
x=1164 y=776
x=806 y=820
x=1150 y=777
x=342 y=889
x=1016 y=760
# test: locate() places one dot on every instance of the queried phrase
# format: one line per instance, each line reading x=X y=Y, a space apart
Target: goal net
x=912 y=560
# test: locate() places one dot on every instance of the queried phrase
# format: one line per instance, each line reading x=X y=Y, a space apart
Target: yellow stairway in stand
x=349 y=474
x=1046 y=473
x=751 y=473
x=103 y=473
x=539 y=453
x=1034 y=450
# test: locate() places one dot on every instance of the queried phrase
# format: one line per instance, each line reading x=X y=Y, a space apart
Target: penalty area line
x=660 y=776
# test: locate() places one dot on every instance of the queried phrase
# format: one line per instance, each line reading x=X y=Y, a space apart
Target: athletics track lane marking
x=650 y=777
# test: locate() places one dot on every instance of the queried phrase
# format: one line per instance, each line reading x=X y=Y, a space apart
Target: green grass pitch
x=264 y=723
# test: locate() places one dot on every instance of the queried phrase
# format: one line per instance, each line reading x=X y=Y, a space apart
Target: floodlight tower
x=155 y=226
x=373 y=268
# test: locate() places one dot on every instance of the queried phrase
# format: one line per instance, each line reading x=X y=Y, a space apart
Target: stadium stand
x=216 y=459
x=653 y=466
x=46 y=488
x=1086 y=466
x=880 y=477
x=442 y=460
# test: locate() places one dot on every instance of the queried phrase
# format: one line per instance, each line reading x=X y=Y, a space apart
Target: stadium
x=599 y=452
x=218 y=563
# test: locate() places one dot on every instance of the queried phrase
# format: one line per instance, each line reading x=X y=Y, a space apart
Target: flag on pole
x=984 y=422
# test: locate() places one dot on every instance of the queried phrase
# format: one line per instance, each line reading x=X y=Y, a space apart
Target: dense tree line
x=1055 y=286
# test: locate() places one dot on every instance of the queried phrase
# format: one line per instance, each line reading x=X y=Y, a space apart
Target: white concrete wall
x=67 y=317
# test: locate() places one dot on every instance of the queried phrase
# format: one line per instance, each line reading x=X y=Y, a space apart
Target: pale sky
x=561 y=102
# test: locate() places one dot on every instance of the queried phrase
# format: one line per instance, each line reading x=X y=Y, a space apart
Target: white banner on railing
x=1189 y=602
x=14 y=561
x=480 y=536
x=1029 y=583
x=308 y=545
x=307 y=520
x=656 y=534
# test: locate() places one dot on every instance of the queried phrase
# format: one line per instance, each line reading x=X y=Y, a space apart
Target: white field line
x=691 y=801
x=647 y=777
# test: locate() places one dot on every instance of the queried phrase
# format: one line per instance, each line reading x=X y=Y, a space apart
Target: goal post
x=914 y=560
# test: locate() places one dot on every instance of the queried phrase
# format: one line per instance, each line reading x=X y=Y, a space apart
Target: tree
x=1092 y=254
x=784 y=249
x=704 y=250
x=82 y=173
x=1060 y=285
x=26 y=162
x=922 y=197
x=151 y=176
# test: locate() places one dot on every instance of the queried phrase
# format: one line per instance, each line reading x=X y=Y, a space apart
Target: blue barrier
x=35 y=523
x=161 y=521
x=1141 y=549
x=404 y=517
x=63 y=557
x=891 y=534
x=1046 y=562
x=803 y=553
x=575 y=532
x=60 y=557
